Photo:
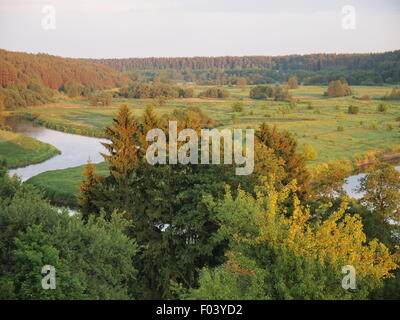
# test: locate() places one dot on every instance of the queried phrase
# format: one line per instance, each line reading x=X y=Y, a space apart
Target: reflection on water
x=75 y=149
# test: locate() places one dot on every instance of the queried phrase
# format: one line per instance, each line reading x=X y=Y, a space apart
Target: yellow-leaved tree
x=280 y=251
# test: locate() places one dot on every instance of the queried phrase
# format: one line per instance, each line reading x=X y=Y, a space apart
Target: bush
x=383 y=107
x=340 y=128
x=214 y=93
x=338 y=89
x=353 y=110
x=237 y=107
x=309 y=152
x=373 y=126
x=365 y=97
x=393 y=95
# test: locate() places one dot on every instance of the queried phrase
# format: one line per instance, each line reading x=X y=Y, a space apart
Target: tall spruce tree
x=86 y=188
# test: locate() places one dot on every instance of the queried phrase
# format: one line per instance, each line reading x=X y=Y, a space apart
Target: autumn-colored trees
x=55 y=72
x=284 y=147
x=293 y=83
x=338 y=89
x=241 y=83
x=23 y=95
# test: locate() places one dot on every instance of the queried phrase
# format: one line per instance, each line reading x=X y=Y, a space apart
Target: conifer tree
x=123 y=149
x=86 y=195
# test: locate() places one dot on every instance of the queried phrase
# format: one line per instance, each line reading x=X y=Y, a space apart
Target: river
x=76 y=150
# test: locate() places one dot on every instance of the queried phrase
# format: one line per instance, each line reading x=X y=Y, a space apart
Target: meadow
x=19 y=150
x=61 y=186
x=324 y=123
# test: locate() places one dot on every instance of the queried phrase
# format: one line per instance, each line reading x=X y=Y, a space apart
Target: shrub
x=353 y=110
x=373 y=126
x=365 y=97
x=214 y=93
x=338 y=89
x=383 y=107
x=340 y=128
x=237 y=107
x=393 y=95
x=309 y=152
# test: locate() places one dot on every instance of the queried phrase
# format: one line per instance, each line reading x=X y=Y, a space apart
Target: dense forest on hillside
x=55 y=72
x=29 y=79
x=356 y=69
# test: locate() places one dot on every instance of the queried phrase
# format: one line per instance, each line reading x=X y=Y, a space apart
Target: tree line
x=356 y=69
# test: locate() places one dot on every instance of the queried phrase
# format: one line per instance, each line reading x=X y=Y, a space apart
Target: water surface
x=75 y=150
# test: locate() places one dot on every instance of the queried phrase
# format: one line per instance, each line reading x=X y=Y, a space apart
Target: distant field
x=316 y=120
x=20 y=150
x=61 y=186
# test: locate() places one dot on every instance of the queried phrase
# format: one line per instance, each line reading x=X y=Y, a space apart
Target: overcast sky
x=143 y=28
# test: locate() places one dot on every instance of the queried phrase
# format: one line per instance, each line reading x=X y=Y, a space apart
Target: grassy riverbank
x=20 y=150
x=61 y=186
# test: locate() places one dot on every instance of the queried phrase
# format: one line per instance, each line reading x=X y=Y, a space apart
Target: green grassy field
x=314 y=120
x=20 y=150
x=61 y=186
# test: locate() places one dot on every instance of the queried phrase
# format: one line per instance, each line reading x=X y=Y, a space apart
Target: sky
x=177 y=28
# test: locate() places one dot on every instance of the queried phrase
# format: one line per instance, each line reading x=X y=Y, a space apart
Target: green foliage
x=353 y=110
x=383 y=107
x=238 y=107
x=35 y=234
x=214 y=93
x=279 y=253
x=261 y=92
x=264 y=92
x=140 y=90
x=329 y=179
x=381 y=189
x=103 y=99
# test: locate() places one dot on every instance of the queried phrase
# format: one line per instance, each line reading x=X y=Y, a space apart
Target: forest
x=315 y=69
